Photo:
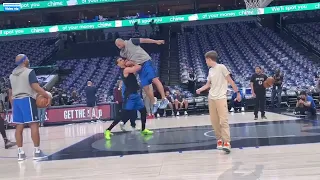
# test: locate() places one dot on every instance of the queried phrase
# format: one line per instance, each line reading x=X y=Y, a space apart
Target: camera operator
x=305 y=104
x=277 y=88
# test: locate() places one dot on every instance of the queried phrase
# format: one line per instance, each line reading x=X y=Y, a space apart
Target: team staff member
x=258 y=92
x=91 y=92
x=22 y=93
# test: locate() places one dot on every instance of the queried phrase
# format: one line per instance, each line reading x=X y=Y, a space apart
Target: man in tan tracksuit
x=217 y=82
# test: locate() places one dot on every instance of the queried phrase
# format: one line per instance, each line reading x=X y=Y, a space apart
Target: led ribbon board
x=55 y=4
x=160 y=20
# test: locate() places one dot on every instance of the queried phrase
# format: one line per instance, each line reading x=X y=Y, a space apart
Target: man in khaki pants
x=217 y=82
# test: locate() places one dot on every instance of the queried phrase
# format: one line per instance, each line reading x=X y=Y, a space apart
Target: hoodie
x=21 y=80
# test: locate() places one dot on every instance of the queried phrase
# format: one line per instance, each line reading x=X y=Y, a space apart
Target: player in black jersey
x=132 y=98
x=258 y=92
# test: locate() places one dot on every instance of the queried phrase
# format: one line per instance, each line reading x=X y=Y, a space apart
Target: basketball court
x=283 y=147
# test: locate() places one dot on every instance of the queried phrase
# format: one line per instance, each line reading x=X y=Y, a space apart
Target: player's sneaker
x=219 y=144
x=122 y=127
x=255 y=117
x=146 y=132
x=107 y=134
x=264 y=117
x=164 y=103
x=226 y=147
x=38 y=155
x=9 y=144
x=178 y=113
x=242 y=109
x=185 y=113
x=21 y=156
x=155 y=108
x=232 y=110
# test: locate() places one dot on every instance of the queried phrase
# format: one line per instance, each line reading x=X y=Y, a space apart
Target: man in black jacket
x=258 y=92
x=277 y=88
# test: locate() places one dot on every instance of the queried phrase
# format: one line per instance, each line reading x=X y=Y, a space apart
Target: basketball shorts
x=24 y=111
x=133 y=102
x=147 y=73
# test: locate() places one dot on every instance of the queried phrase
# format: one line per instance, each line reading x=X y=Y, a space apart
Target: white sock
x=36 y=149
x=20 y=150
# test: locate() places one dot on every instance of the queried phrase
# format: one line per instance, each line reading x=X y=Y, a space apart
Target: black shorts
x=91 y=104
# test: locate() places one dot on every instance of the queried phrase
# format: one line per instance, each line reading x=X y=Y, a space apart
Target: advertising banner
x=70 y=114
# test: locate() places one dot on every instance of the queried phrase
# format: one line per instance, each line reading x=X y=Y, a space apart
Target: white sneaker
x=178 y=114
x=242 y=109
x=158 y=115
x=219 y=144
x=185 y=113
x=122 y=127
x=232 y=110
x=21 y=156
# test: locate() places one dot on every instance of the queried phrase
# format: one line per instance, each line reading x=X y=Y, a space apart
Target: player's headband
x=22 y=60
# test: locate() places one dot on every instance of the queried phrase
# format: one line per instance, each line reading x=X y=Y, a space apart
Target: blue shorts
x=147 y=73
x=24 y=111
x=133 y=102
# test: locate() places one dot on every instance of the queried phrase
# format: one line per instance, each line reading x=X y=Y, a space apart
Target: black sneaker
x=9 y=144
x=264 y=117
x=256 y=118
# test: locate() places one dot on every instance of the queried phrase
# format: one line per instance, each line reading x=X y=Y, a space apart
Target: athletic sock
x=20 y=150
x=36 y=149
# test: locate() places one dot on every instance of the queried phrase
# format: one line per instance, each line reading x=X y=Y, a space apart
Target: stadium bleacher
x=242 y=47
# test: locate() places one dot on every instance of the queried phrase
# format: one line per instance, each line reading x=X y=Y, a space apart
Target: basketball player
x=258 y=92
x=131 y=50
x=119 y=96
x=132 y=100
x=22 y=93
x=217 y=82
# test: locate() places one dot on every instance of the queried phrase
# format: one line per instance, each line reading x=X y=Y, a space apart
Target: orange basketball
x=42 y=101
x=269 y=82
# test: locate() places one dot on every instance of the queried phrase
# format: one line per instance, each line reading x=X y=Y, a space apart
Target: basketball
x=42 y=101
x=269 y=82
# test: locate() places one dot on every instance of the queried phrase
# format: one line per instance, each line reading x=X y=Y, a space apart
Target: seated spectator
x=180 y=102
x=74 y=98
x=170 y=105
x=235 y=104
x=305 y=103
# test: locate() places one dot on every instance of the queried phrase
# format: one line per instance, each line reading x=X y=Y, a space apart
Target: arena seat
x=309 y=32
x=37 y=51
x=241 y=47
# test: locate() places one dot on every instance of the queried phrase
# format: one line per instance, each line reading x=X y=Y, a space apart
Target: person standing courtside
x=22 y=94
x=217 y=81
x=91 y=92
x=277 y=88
x=258 y=92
